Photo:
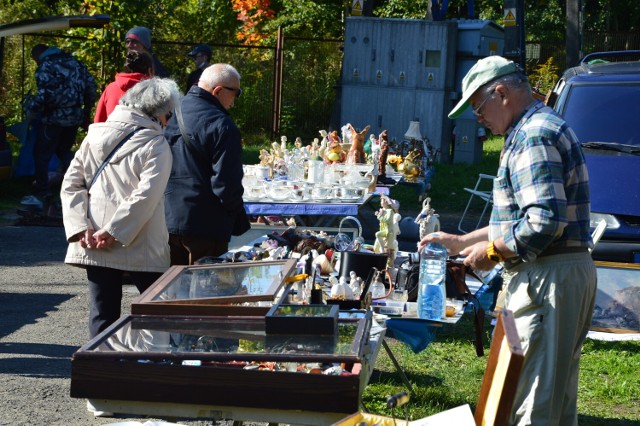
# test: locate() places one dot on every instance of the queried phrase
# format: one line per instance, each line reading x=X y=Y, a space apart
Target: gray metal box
x=396 y=71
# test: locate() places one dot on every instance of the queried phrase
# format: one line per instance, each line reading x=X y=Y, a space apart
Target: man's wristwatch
x=494 y=254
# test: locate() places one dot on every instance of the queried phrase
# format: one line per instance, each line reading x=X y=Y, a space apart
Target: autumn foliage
x=252 y=13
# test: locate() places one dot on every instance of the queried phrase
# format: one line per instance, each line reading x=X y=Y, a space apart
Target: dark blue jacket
x=203 y=198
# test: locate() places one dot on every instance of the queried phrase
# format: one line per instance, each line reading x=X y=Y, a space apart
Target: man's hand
x=450 y=241
x=476 y=257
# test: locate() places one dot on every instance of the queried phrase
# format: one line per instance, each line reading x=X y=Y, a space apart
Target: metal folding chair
x=483 y=191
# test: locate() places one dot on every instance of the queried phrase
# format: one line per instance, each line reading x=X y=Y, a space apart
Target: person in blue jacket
x=63 y=102
x=203 y=199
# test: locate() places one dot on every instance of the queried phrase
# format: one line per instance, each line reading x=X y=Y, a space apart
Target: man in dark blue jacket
x=203 y=199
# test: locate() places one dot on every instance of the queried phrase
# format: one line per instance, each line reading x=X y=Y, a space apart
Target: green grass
x=448 y=374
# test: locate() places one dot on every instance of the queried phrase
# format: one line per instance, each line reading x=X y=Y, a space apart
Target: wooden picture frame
x=196 y=290
x=617 y=308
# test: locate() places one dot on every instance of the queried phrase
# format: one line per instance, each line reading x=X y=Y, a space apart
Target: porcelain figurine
x=356 y=152
x=387 y=236
x=427 y=220
x=382 y=160
x=334 y=152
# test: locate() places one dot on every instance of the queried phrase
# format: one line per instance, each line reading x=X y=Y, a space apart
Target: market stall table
x=198 y=345
x=309 y=213
x=118 y=377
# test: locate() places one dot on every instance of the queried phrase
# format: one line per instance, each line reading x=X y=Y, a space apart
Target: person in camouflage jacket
x=64 y=100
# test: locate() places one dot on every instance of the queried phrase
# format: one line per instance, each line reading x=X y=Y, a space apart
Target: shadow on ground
x=22 y=309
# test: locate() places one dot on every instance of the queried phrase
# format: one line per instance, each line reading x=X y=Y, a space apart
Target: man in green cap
x=539 y=231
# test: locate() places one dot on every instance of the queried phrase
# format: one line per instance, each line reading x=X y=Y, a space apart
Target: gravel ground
x=43 y=321
x=43 y=315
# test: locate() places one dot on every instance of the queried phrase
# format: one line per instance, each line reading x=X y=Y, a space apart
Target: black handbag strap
x=111 y=154
x=187 y=139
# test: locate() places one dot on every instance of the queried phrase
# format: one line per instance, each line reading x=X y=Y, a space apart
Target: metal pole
x=277 y=85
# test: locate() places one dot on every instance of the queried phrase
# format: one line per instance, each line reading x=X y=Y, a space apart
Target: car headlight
x=595 y=218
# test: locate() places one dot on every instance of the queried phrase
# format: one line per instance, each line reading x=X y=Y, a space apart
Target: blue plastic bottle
x=432 y=292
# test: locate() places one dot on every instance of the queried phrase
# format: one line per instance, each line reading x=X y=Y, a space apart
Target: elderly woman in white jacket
x=114 y=219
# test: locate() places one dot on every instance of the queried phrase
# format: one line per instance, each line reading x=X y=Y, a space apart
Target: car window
x=604 y=113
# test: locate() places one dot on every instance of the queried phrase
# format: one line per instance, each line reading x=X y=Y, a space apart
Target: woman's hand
x=86 y=239
x=103 y=239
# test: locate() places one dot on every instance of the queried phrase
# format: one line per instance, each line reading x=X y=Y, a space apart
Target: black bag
x=407 y=275
x=241 y=223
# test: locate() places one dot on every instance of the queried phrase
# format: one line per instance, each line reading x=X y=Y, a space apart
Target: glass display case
x=244 y=288
x=228 y=361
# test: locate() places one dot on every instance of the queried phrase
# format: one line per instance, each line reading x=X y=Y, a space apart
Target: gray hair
x=218 y=75
x=517 y=81
x=154 y=97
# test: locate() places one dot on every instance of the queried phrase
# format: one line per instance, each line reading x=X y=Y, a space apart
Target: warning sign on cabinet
x=510 y=17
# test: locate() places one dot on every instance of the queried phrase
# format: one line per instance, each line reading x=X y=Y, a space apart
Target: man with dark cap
x=139 y=38
x=539 y=231
x=201 y=55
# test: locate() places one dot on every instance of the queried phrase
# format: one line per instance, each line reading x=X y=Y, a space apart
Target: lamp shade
x=414 y=131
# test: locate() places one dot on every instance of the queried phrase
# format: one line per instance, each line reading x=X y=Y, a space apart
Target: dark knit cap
x=141 y=35
x=201 y=48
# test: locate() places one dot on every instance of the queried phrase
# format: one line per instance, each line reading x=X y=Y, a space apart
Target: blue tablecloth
x=309 y=209
x=417 y=333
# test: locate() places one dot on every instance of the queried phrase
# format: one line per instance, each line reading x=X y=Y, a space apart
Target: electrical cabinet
x=396 y=71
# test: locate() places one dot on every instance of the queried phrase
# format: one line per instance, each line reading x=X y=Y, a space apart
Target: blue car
x=600 y=99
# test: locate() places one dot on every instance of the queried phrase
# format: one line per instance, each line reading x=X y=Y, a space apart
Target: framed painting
x=617 y=307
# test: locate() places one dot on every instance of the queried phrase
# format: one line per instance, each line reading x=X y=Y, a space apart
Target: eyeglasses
x=237 y=91
x=477 y=111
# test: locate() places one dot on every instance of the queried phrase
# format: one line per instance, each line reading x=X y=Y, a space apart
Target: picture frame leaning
x=617 y=307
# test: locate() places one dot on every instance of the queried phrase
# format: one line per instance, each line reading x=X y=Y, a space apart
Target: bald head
x=223 y=82
x=219 y=75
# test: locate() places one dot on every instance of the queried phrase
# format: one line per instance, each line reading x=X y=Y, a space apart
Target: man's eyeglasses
x=237 y=91
x=477 y=111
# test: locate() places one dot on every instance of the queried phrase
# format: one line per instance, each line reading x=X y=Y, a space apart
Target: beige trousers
x=552 y=300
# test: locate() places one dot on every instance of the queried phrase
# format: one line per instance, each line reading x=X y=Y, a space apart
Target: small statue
x=382 y=159
x=355 y=283
x=334 y=152
x=314 y=149
x=356 y=152
x=266 y=159
x=337 y=288
x=411 y=166
x=427 y=220
x=387 y=236
x=298 y=143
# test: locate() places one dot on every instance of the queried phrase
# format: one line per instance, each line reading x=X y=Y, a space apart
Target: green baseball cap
x=485 y=70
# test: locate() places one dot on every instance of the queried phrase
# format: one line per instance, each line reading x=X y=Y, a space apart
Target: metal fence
x=309 y=71
x=539 y=52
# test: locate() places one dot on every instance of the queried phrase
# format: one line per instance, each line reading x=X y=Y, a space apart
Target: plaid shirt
x=541 y=191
